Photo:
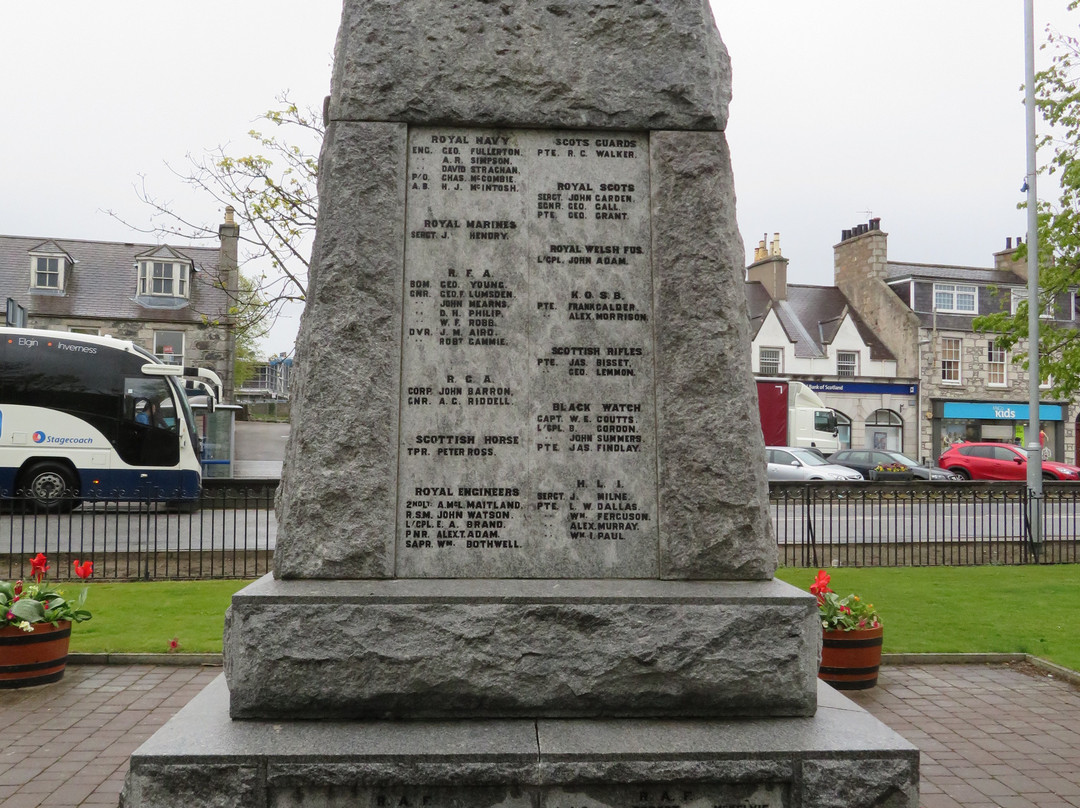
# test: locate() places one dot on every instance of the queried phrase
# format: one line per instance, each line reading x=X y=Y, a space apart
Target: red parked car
x=999 y=461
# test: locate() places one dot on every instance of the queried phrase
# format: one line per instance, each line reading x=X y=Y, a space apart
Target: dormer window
x=956 y=298
x=163 y=278
x=47 y=272
x=49 y=267
x=1020 y=295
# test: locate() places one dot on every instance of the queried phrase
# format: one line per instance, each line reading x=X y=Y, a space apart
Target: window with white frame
x=47 y=272
x=169 y=347
x=85 y=329
x=1020 y=295
x=995 y=365
x=950 y=360
x=847 y=364
x=163 y=278
x=956 y=298
x=769 y=361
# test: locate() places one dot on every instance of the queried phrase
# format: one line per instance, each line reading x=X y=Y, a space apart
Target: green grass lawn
x=1031 y=610
x=144 y=617
x=946 y=609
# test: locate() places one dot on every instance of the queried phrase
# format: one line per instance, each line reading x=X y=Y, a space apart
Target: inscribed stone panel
x=527 y=443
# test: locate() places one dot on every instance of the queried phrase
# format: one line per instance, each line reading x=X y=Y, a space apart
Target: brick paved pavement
x=990 y=735
x=67 y=744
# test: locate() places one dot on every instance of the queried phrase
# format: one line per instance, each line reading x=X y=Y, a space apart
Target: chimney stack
x=1005 y=260
x=769 y=268
x=874 y=225
x=760 y=253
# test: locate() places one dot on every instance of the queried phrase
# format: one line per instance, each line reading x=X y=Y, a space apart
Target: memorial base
x=483 y=648
x=840 y=756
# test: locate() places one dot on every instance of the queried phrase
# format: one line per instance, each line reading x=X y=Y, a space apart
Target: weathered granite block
x=713 y=486
x=490 y=648
x=207 y=784
x=839 y=756
x=337 y=497
x=658 y=64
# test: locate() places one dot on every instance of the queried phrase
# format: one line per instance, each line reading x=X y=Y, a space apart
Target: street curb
x=174 y=660
x=1045 y=665
x=951 y=659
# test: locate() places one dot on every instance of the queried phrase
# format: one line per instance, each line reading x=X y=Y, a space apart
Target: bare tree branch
x=275 y=197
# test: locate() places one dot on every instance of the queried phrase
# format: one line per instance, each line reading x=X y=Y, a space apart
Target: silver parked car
x=794 y=463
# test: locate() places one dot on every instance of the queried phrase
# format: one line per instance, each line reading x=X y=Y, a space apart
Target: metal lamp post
x=1034 y=446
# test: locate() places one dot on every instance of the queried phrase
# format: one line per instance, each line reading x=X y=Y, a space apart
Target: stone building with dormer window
x=971 y=389
x=812 y=334
x=173 y=300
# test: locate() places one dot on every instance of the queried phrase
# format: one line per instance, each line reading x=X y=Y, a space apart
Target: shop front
x=1002 y=422
x=873 y=415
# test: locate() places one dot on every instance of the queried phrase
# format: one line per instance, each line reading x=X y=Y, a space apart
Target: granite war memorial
x=524 y=553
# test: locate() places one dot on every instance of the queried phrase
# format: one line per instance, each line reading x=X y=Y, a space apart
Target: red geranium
x=22 y=604
x=842 y=614
x=38 y=565
x=820 y=586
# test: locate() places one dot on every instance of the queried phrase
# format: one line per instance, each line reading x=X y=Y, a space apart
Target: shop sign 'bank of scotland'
x=527 y=423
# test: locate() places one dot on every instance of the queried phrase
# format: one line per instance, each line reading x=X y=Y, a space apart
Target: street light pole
x=1034 y=445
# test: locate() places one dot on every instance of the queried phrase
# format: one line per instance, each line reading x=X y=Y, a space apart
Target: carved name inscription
x=693 y=795
x=528 y=417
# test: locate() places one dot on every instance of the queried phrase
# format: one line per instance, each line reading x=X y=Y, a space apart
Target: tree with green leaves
x=250 y=325
x=1058 y=104
x=274 y=194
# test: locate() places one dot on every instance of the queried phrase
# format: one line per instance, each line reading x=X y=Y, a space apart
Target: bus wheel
x=49 y=487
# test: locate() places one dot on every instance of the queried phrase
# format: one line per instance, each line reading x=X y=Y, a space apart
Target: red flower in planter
x=38 y=565
x=820 y=586
x=38 y=601
x=842 y=613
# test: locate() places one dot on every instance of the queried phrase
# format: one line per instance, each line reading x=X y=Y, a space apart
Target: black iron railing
x=233 y=532
x=924 y=524
x=230 y=533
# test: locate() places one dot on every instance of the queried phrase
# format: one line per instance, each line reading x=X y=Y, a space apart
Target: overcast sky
x=910 y=111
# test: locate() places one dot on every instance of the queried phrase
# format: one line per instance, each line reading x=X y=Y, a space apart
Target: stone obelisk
x=524 y=553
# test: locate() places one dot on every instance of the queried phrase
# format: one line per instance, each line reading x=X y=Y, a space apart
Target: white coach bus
x=86 y=418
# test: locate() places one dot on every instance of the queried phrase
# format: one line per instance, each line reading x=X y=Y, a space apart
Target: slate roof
x=924 y=275
x=758 y=304
x=810 y=317
x=102 y=282
x=1003 y=277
